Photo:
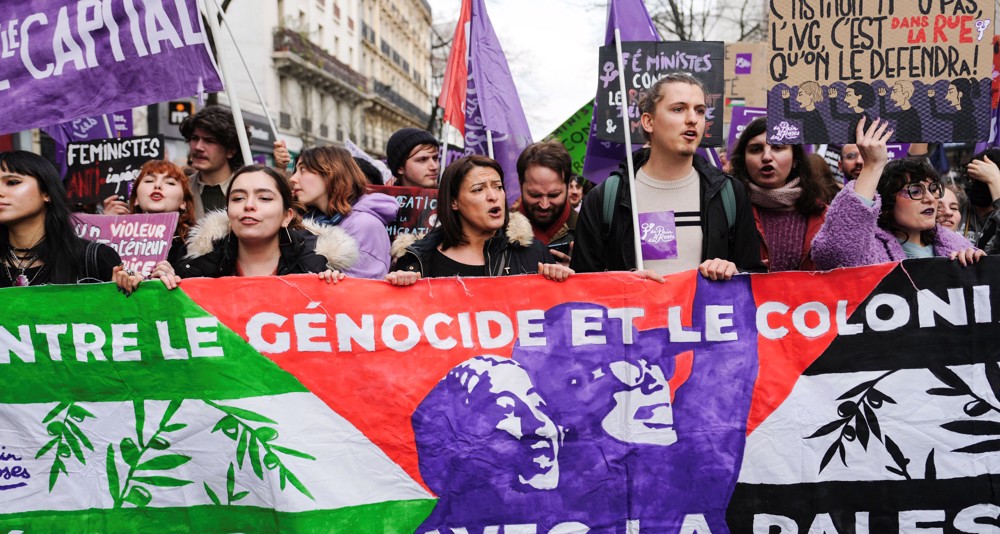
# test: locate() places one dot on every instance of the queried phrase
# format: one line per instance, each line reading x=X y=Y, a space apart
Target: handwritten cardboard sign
x=99 y=169
x=141 y=239
x=924 y=65
x=417 y=209
x=644 y=63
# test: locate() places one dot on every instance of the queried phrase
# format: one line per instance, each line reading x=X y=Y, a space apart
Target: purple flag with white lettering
x=632 y=20
x=492 y=102
x=61 y=61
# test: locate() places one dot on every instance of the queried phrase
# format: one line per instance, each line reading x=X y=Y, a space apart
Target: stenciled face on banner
x=537 y=438
x=926 y=67
x=646 y=62
x=491 y=398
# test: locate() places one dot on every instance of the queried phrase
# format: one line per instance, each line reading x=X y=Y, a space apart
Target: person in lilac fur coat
x=888 y=213
x=331 y=186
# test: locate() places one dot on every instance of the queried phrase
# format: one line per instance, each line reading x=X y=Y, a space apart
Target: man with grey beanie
x=412 y=156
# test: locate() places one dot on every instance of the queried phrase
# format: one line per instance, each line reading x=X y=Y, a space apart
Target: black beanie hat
x=401 y=144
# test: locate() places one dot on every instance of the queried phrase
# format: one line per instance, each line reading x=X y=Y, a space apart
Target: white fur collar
x=336 y=245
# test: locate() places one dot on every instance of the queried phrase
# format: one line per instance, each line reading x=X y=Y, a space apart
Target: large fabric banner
x=861 y=400
x=61 y=61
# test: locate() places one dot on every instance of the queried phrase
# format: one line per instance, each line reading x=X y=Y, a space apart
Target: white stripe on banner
x=348 y=469
x=777 y=452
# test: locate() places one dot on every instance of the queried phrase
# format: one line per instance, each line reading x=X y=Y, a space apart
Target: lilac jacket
x=367 y=225
x=851 y=237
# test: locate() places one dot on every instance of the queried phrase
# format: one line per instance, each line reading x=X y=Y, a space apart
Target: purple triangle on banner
x=632 y=20
x=492 y=102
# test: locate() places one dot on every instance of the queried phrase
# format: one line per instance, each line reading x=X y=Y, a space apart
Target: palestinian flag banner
x=856 y=401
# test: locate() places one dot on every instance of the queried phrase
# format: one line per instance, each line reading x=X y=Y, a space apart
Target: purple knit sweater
x=851 y=237
x=784 y=233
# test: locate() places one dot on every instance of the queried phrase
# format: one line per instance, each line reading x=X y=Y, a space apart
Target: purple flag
x=632 y=20
x=491 y=102
x=88 y=129
x=61 y=61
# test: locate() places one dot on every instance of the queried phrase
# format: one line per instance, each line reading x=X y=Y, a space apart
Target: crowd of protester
x=772 y=207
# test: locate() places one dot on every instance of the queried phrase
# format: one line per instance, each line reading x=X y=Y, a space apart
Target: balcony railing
x=288 y=40
x=388 y=93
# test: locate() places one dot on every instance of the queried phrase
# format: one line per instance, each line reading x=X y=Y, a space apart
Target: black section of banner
x=882 y=500
x=913 y=347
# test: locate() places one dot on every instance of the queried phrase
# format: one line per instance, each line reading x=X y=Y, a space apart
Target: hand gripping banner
x=861 y=400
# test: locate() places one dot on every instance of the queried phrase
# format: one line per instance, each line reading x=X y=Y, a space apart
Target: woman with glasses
x=889 y=213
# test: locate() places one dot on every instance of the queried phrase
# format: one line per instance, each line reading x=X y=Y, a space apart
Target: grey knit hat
x=401 y=144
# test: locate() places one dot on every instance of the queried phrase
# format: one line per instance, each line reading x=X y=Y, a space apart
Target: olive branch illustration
x=257 y=443
x=858 y=422
x=67 y=438
x=140 y=454
x=975 y=408
x=134 y=489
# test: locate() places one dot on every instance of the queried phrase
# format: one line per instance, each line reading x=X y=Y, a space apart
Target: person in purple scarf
x=789 y=200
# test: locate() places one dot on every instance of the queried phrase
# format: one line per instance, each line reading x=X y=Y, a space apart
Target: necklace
x=21 y=264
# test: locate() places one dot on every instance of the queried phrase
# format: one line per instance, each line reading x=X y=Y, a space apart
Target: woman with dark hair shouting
x=477 y=235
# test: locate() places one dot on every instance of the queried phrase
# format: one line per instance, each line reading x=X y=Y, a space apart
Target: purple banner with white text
x=61 y=61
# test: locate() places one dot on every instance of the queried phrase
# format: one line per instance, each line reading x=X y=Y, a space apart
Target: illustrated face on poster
x=925 y=67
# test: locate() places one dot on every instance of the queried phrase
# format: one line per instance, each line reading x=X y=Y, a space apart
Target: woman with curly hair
x=888 y=214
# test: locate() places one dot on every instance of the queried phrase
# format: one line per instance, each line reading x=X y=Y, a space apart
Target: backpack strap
x=90 y=261
x=611 y=186
x=729 y=203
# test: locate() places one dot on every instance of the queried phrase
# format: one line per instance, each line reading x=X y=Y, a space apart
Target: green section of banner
x=69 y=343
x=574 y=134
x=394 y=517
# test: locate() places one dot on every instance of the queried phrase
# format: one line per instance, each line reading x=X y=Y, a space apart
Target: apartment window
x=350 y=23
x=336 y=11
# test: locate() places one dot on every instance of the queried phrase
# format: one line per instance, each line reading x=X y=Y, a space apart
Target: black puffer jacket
x=512 y=251
x=739 y=244
x=211 y=252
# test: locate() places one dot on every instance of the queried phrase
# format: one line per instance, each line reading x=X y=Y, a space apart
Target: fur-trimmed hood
x=518 y=232
x=331 y=242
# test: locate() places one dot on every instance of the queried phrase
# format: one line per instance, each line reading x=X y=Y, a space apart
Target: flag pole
x=636 y=240
x=444 y=158
x=489 y=142
x=227 y=80
x=260 y=98
x=107 y=126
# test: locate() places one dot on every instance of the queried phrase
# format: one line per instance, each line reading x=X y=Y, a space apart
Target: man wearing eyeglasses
x=851 y=162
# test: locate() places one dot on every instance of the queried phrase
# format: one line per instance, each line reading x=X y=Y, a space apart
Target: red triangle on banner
x=783 y=360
